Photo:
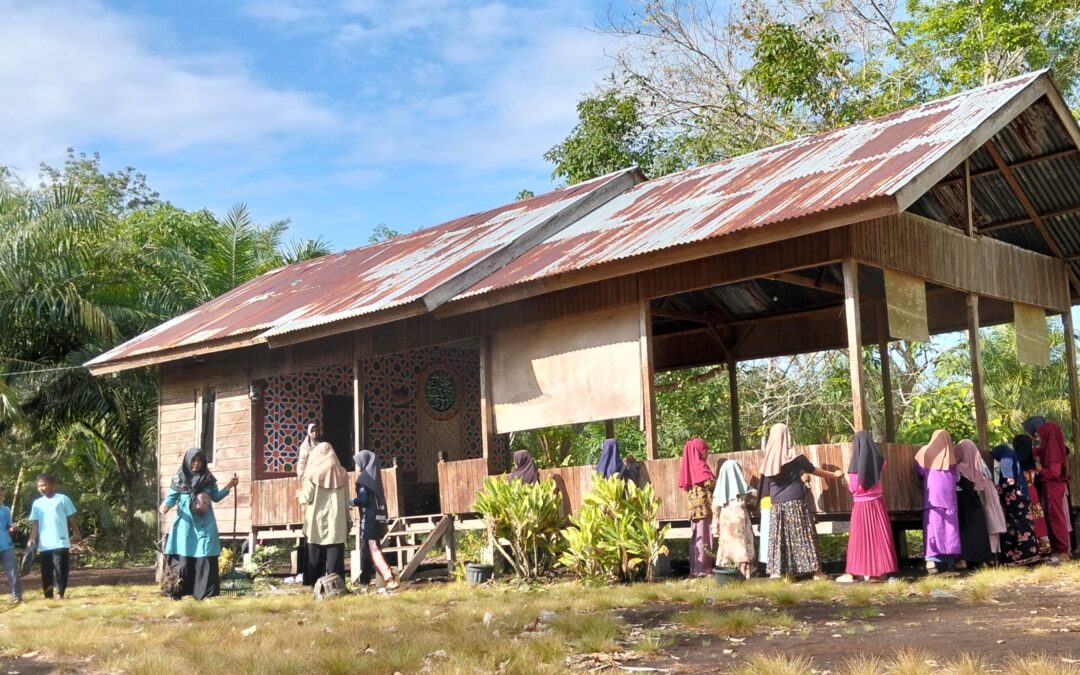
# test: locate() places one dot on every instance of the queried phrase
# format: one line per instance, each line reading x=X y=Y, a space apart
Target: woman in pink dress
x=698 y=481
x=870 y=550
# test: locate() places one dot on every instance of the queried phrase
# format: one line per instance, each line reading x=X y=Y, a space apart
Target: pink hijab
x=969 y=464
x=694 y=469
x=779 y=450
x=938 y=454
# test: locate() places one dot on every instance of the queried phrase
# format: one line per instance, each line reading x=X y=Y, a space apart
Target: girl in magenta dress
x=936 y=465
x=698 y=481
x=870 y=546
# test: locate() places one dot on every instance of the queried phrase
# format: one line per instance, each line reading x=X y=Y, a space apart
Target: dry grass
x=134 y=630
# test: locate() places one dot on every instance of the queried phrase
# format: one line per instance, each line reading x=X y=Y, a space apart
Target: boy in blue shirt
x=7 y=549
x=53 y=517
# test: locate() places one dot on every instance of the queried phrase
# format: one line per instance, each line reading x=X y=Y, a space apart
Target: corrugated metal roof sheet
x=356 y=282
x=799 y=178
x=771 y=187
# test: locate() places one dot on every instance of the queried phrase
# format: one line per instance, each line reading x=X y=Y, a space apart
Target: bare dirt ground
x=1046 y=620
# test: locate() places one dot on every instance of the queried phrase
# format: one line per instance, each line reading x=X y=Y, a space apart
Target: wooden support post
x=451 y=548
x=969 y=212
x=976 y=371
x=358 y=408
x=886 y=374
x=733 y=395
x=854 y=336
x=1070 y=360
x=609 y=428
x=648 y=396
x=487 y=417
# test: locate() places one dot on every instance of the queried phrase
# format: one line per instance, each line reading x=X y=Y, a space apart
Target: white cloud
x=76 y=73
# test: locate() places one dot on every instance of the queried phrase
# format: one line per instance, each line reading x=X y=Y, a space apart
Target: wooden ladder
x=411 y=538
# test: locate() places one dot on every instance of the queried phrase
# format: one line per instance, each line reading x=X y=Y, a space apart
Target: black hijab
x=189 y=482
x=524 y=468
x=1022 y=448
x=1031 y=425
x=866 y=460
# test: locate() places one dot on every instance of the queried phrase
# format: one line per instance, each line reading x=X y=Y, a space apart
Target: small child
x=53 y=517
x=7 y=549
x=630 y=469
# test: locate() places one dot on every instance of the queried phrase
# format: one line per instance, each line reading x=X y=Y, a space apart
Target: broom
x=236 y=582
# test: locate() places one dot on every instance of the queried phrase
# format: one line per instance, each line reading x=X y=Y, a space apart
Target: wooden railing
x=274 y=500
x=573 y=482
x=459 y=482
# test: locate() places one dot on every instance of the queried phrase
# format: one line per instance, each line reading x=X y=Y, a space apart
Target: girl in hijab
x=524 y=468
x=610 y=463
x=324 y=490
x=935 y=463
x=1019 y=545
x=372 y=504
x=792 y=538
x=731 y=520
x=696 y=479
x=1025 y=457
x=870 y=550
x=1055 y=480
x=980 y=507
x=193 y=545
x=311 y=439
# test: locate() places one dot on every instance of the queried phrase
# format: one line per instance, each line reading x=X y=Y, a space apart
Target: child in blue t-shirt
x=53 y=517
x=7 y=549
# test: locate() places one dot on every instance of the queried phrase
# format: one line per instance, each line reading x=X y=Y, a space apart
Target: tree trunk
x=129 y=480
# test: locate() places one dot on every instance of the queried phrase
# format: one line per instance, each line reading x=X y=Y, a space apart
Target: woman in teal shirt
x=194 y=545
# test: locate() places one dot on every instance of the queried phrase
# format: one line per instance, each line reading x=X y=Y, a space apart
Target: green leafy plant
x=614 y=535
x=527 y=517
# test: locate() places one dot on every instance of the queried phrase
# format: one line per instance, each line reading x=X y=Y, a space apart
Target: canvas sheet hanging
x=905 y=300
x=1032 y=337
x=583 y=368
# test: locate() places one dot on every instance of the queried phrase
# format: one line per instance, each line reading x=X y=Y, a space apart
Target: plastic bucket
x=726 y=575
x=478 y=574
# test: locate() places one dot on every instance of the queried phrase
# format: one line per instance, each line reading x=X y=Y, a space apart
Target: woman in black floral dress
x=1019 y=545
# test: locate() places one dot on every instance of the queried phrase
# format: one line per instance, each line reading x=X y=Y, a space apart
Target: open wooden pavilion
x=430 y=347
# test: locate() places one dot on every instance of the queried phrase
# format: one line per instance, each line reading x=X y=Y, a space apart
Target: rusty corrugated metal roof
x=353 y=283
x=863 y=162
x=799 y=178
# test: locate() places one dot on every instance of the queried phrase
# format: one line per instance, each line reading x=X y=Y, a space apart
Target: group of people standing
x=193 y=545
x=971 y=515
x=1017 y=516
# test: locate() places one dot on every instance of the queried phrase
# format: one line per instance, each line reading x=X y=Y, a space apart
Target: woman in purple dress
x=936 y=465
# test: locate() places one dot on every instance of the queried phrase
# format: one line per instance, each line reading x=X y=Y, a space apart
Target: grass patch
x=1039 y=664
x=776 y=664
x=652 y=641
x=589 y=633
x=736 y=623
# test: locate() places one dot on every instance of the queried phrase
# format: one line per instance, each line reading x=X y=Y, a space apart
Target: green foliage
x=524 y=194
x=528 y=517
x=615 y=535
x=382 y=232
x=948 y=406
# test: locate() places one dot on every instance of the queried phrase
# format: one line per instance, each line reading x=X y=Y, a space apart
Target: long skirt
x=199 y=577
x=735 y=543
x=974 y=538
x=763 y=539
x=792 y=540
x=1038 y=516
x=1057 y=517
x=322 y=560
x=870 y=549
x=1019 y=545
x=701 y=562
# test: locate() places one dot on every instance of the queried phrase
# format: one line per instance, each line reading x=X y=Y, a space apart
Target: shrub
x=614 y=534
x=528 y=517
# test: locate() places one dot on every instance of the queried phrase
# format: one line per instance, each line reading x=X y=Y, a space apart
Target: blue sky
x=339 y=115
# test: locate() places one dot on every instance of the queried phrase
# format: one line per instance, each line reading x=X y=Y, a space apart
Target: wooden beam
x=425 y=548
x=854 y=335
x=526 y=241
x=609 y=428
x=648 y=395
x=358 y=408
x=1015 y=165
x=1022 y=197
x=976 y=371
x=1070 y=361
x=886 y=373
x=1023 y=220
x=799 y=280
x=733 y=395
x=487 y=411
x=707 y=319
x=969 y=212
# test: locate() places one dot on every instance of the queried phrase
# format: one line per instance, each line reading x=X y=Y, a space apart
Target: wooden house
x=430 y=347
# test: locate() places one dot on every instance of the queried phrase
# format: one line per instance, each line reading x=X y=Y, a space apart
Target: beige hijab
x=938 y=454
x=324 y=469
x=779 y=450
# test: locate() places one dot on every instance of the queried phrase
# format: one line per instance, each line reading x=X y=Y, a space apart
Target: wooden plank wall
x=459 y=482
x=275 y=499
x=945 y=255
x=573 y=482
x=177 y=425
